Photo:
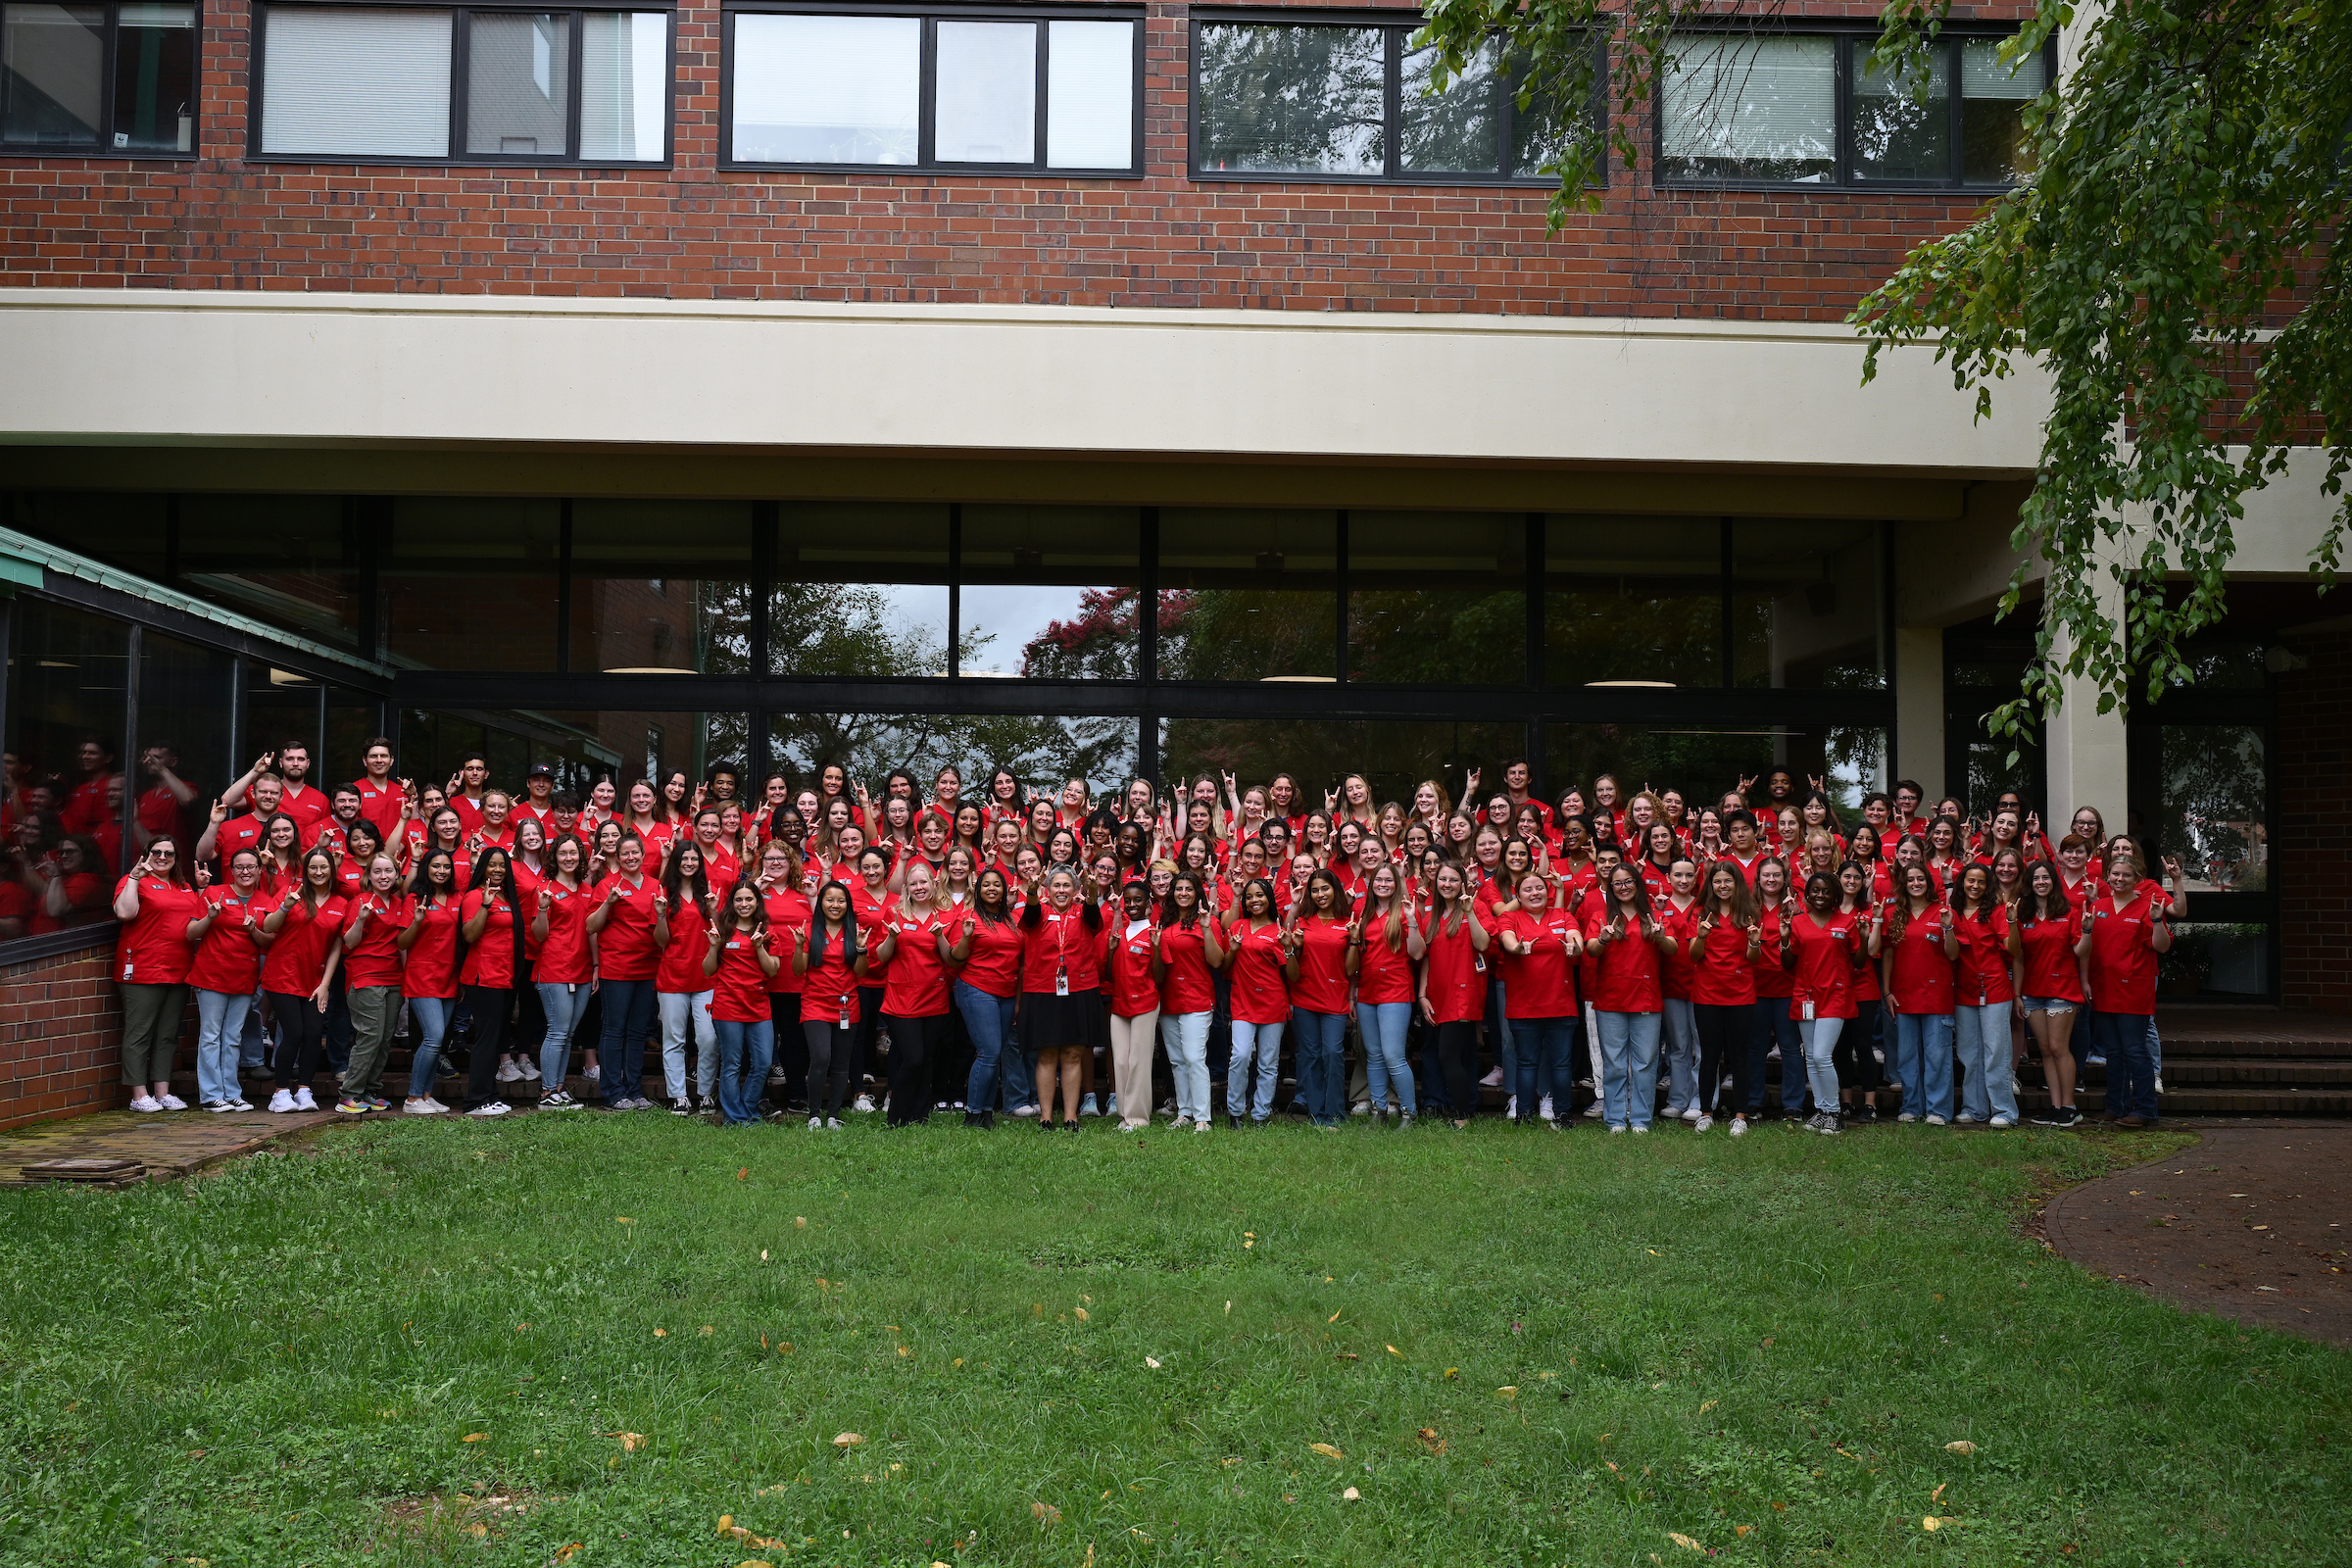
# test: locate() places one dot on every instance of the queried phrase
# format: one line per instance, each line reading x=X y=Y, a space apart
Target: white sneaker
x=1201 y=1125
x=217 y=1107
x=1024 y=1111
x=528 y=1070
x=863 y=1105
x=1129 y=1126
x=1361 y=1107
x=832 y=1124
x=417 y=1106
x=1694 y=1113
x=1907 y=1116
x=1110 y=1104
x=1644 y=1127
x=1936 y=1120
x=2160 y=1083
x=172 y=1102
x=496 y=1107
x=2001 y=1123
x=816 y=1124
x=145 y=1105
x=303 y=1100
x=1594 y=1110
x=1511 y=1108
x=507 y=1072
x=591 y=1073
x=1493 y=1080
x=1086 y=1107
x=1703 y=1123
x=1616 y=1127
x=1739 y=1126
x=1964 y=1119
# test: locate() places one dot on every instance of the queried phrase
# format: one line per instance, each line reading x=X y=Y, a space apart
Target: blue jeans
x=1820 y=1037
x=1185 y=1037
x=1501 y=1031
x=1629 y=1067
x=220 y=1042
x=1680 y=1031
x=1261 y=1042
x=628 y=1018
x=1982 y=1035
x=2130 y=1065
x=1384 y=1026
x=1322 y=1065
x=681 y=1011
x=562 y=1005
x=1545 y=1049
x=989 y=1021
x=1922 y=1062
x=744 y=1051
x=1773 y=1026
x=432 y=1014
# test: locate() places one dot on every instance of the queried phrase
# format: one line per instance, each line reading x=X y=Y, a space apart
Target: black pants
x=913 y=1044
x=1856 y=1067
x=490 y=1006
x=301 y=1038
x=1722 y=1032
x=1458 y=1063
x=951 y=1063
x=861 y=1044
x=792 y=1052
x=829 y=1050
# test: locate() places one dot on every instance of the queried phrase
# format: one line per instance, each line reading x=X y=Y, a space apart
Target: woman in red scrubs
x=157 y=906
x=1062 y=992
x=830 y=958
x=1453 y=987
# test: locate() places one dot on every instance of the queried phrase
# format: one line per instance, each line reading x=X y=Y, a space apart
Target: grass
x=1520 y=1348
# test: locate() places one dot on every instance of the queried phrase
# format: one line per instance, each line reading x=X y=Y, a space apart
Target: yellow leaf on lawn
x=1938 y=1494
x=1248 y=1243
x=477 y=1530
x=1152 y=1361
x=628 y=1439
x=1683 y=1542
x=903 y=1350
x=1509 y=1390
x=564 y=1554
x=707 y=1329
x=1081 y=1312
x=764 y=1255
x=1451 y=1370
x=1392 y=1350
x=622 y=1219
x=1961 y=1446
x=799 y=1223
x=1105 y=1498
x=1253 y=1234
x=1326 y=1450
x=660 y=1333
x=476 y=1437
x=1046 y=1511
x=1709 y=1405
x=1741 y=1531
x=741 y=1173
x=1335 y=1318
x=848 y=1440
x=1351 y=1496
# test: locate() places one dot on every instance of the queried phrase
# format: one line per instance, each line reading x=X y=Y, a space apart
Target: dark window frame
x=1396 y=35
x=926 y=164
x=103 y=147
x=1844 y=35
x=461 y=22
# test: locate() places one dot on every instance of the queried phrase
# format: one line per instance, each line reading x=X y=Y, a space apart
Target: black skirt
x=1050 y=1022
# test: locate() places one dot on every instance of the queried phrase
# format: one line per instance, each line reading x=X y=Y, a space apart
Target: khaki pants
x=1131 y=1043
x=374 y=1012
x=150 y=1019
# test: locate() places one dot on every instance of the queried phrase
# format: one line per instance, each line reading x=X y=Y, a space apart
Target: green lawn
x=1524 y=1348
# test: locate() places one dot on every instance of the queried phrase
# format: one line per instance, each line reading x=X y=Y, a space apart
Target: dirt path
x=2254 y=1222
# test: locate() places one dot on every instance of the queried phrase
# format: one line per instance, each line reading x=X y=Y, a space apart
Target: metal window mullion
x=1391 y=99
x=108 y=43
x=1730 y=634
x=1841 y=98
x=133 y=642
x=578 y=49
x=729 y=62
x=1538 y=577
x=460 y=50
x=955 y=590
x=927 y=114
x=1338 y=670
x=1037 y=140
x=766 y=519
x=563 y=588
x=1959 y=164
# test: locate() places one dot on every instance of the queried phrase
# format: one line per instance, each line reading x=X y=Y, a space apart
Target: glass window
x=519 y=83
x=1990 y=775
x=627 y=745
x=2211 y=958
x=1249 y=594
x=155 y=78
x=52 y=74
x=1632 y=599
x=1050 y=592
x=291 y=561
x=471 y=583
x=1437 y=597
x=374 y=84
x=353 y=719
x=432 y=746
x=64 y=774
x=1041 y=753
x=1900 y=133
x=2214 y=807
x=1748 y=107
x=987 y=92
x=1090 y=86
x=1993 y=150
x=826 y=89
x=1805 y=605
x=661 y=587
x=1706 y=762
x=185 y=762
x=1393 y=756
x=860 y=590
x=1291 y=99
x=281 y=710
x=1455 y=131
x=122 y=528
x=624 y=87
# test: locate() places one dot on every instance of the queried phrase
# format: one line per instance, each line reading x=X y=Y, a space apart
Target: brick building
x=1102 y=388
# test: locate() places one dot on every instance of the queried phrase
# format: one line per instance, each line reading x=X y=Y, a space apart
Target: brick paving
x=170 y=1143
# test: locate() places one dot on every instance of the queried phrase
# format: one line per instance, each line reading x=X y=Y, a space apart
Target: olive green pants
x=151 y=1021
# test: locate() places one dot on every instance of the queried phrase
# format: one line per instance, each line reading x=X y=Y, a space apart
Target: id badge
x=1806 y=1010
x=1061 y=981
x=844 y=1012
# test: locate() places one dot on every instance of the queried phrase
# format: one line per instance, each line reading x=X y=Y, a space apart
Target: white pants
x=677 y=1010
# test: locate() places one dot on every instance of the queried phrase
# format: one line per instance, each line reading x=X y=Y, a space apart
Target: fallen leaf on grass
x=1931 y=1522
x=622 y=1219
x=564 y=1554
x=1081 y=1314
x=1351 y=1496
x=1335 y=1318
x=1431 y=1441
x=799 y=1223
x=1152 y=1361
x=1709 y=1405
x=660 y=1333
x=848 y=1440
x=764 y=1255
x=1392 y=1350
x=1938 y=1494
x=728 y=1526
x=1683 y=1542
x=1509 y=1390
x=475 y=1437
x=1961 y=1446
x=1741 y=1531
x=1046 y=1511
x=906 y=1350
x=1347 y=1355
x=1326 y=1450
x=708 y=1329
x=1451 y=1370
x=741 y=1173
x=629 y=1441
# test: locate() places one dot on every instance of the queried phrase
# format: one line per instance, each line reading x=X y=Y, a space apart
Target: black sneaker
x=2071 y=1116
x=1232 y=1121
x=681 y=1107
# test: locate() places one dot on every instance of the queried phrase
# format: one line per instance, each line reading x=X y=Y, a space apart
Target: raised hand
x=220 y=813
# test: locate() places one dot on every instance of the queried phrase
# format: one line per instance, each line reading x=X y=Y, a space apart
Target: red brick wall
x=2311 y=857
x=61 y=1037
x=696 y=231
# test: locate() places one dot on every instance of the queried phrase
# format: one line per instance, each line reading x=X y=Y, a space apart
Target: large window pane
x=155 y=78
x=1249 y=594
x=281 y=709
x=580 y=747
x=2226 y=961
x=624 y=746
x=1284 y=99
x=1993 y=149
x=518 y=85
x=1050 y=592
x=1805 y=605
x=624 y=86
x=1393 y=756
x=183 y=763
x=2214 y=811
x=860 y=590
x=1041 y=753
x=1543 y=129
x=64 y=763
x=1706 y=762
x=353 y=719
x=1455 y=130
x=1750 y=107
x=122 y=528
x=826 y=89
x=362 y=82
x=470 y=584
x=661 y=586
x=1632 y=599
x=52 y=69
x=1437 y=597
x=1090 y=95
x=291 y=560
x=986 y=106
x=1899 y=134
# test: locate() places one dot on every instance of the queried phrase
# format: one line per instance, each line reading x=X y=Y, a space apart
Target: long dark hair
x=477 y=879
x=849 y=922
x=678 y=886
x=421 y=884
x=1168 y=914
